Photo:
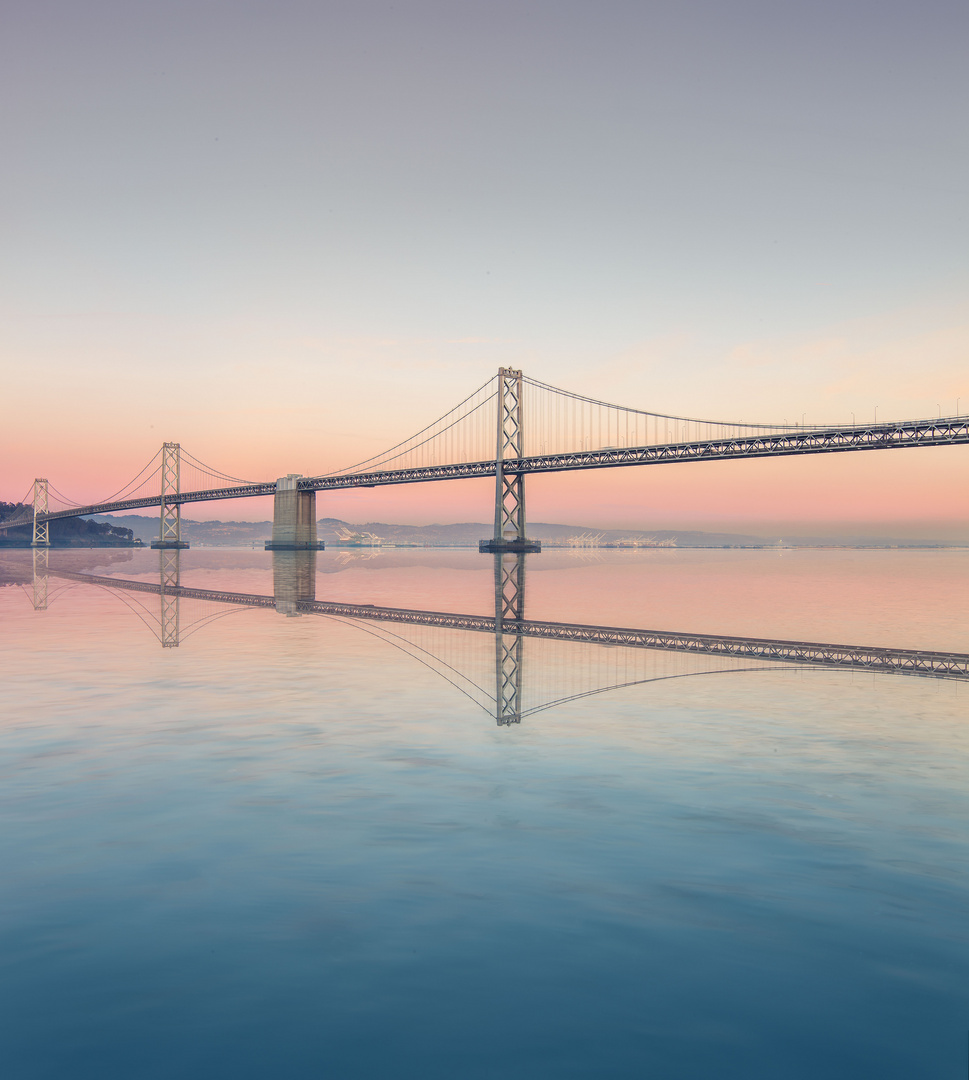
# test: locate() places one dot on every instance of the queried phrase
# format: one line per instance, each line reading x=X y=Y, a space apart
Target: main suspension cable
x=63 y=498
x=656 y=415
x=25 y=496
x=131 y=483
x=405 y=442
x=424 y=442
x=214 y=472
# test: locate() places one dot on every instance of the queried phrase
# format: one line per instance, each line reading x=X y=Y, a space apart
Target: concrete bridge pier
x=294 y=517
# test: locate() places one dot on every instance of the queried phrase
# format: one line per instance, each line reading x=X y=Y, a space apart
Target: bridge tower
x=509 y=611
x=294 y=517
x=170 y=523
x=41 y=536
x=509 y=484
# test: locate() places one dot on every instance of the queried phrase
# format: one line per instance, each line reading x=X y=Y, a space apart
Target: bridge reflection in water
x=627 y=656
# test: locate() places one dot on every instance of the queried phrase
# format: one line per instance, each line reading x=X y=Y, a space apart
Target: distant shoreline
x=67 y=545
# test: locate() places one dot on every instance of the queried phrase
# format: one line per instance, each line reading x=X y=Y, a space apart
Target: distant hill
x=208 y=533
x=68 y=532
x=467 y=534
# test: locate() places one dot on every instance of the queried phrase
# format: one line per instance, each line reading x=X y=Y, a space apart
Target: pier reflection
x=294 y=580
x=625 y=655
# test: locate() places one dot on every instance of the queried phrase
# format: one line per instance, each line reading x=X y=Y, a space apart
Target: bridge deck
x=949 y=431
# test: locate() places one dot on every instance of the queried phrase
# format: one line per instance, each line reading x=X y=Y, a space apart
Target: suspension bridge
x=509 y=428
x=526 y=666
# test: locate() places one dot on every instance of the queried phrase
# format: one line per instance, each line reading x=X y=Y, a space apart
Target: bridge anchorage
x=509 y=483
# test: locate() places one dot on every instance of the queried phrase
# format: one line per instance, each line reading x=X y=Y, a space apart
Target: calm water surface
x=302 y=846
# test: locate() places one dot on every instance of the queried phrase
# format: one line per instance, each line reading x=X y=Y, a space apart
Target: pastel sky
x=289 y=234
